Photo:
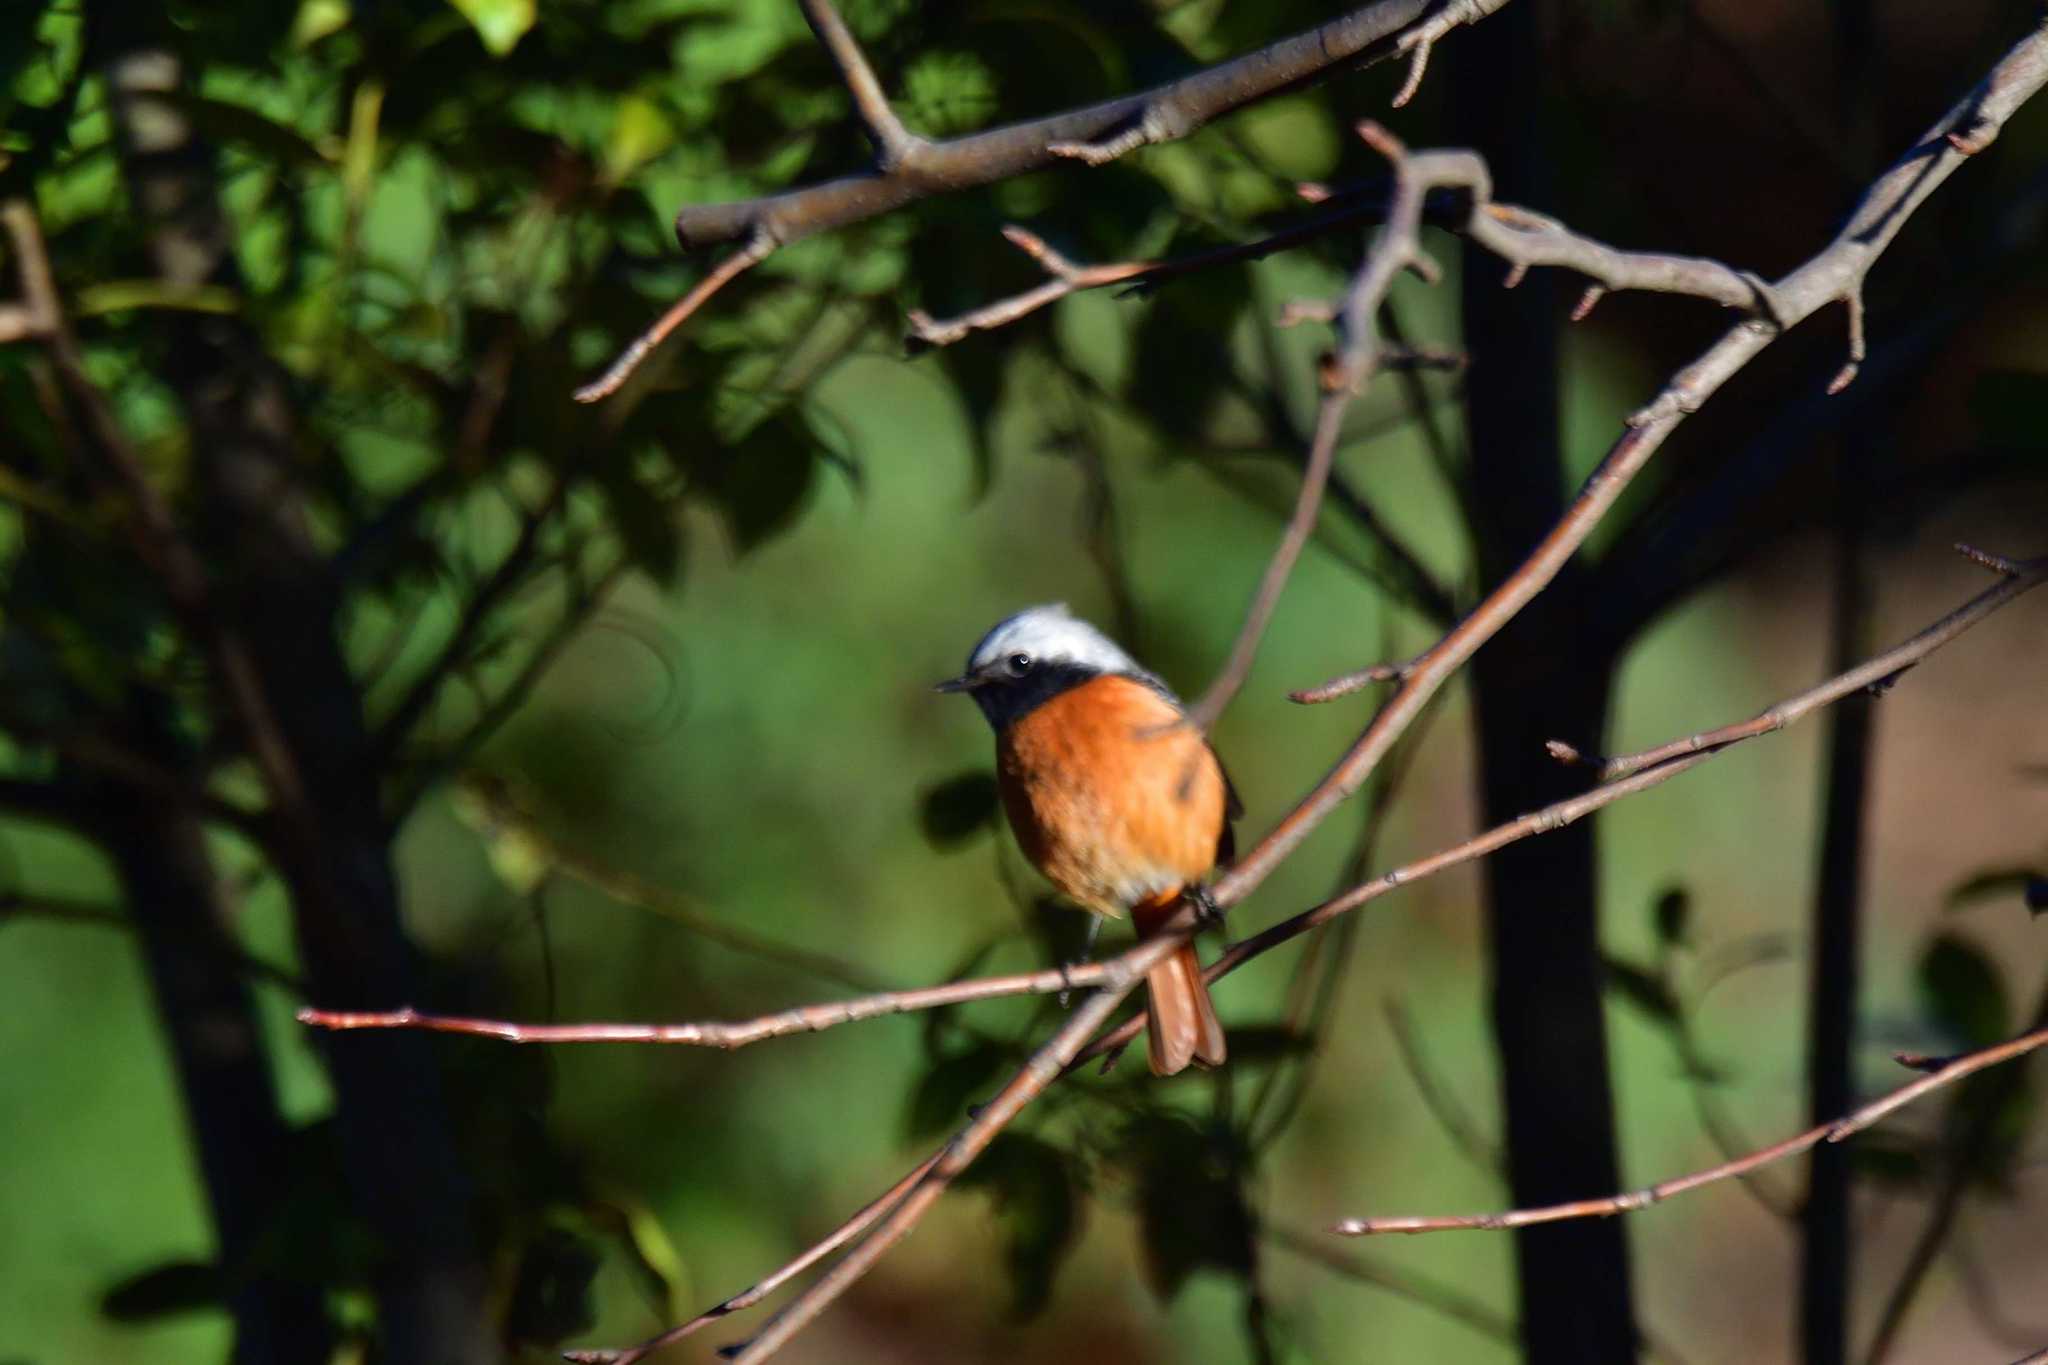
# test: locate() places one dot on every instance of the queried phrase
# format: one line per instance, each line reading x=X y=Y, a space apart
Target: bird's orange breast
x=1110 y=798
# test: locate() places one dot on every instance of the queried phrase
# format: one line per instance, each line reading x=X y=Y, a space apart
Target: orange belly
x=1111 y=800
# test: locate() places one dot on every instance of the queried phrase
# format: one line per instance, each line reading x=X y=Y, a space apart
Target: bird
x=1119 y=804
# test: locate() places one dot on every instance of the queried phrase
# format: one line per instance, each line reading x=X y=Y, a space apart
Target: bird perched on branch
x=1120 y=804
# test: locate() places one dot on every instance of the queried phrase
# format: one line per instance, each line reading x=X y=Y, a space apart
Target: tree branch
x=1095 y=134
x=895 y=145
x=1954 y=1069
x=1877 y=674
x=2021 y=576
x=1824 y=279
x=1396 y=248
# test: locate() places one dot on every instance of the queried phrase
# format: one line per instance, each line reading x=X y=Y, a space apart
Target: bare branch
x=1045 y=1066
x=736 y=1034
x=895 y=145
x=1359 y=38
x=2018 y=578
x=1561 y=813
x=846 y=1232
x=722 y=274
x=1396 y=247
x=1416 y=43
x=917 y=169
x=1105 y=974
x=1345 y=684
x=1822 y=280
x=1966 y=1065
x=1141 y=276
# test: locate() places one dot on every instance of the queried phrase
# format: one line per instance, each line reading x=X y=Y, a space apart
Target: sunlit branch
x=1956 y=1069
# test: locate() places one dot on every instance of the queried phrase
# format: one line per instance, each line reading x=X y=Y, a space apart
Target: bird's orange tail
x=1182 y=1025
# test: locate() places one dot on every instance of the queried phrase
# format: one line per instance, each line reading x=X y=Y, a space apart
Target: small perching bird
x=1118 y=803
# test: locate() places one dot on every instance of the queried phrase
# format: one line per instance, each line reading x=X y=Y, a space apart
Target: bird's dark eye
x=1019 y=665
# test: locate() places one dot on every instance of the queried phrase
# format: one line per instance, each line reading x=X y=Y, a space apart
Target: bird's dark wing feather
x=1233 y=810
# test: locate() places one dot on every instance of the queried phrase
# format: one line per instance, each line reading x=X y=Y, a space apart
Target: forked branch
x=909 y=169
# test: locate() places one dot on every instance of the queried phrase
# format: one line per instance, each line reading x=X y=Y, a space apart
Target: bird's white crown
x=1052 y=634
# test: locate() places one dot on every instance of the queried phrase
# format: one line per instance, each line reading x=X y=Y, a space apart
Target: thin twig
x=1834 y=1131
x=1044 y=1067
x=846 y=1232
x=1396 y=248
x=2017 y=578
x=642 y=346
x=1065 y=277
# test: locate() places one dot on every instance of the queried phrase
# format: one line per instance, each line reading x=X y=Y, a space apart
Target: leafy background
x=445 y=216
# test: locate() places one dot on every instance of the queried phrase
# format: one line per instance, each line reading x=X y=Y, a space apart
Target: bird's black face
x=1009 y=687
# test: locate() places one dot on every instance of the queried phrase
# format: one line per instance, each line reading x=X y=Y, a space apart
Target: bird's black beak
x=966 y=682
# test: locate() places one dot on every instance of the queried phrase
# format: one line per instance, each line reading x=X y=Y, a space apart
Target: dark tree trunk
x=275 y=591
x=239 y=1137
x=1546 y=676
x=1825 y=1264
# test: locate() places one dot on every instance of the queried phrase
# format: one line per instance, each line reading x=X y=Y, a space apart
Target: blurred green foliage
x=743 y=571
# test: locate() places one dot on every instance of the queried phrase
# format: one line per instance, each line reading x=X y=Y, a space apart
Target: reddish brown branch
x=1045 y=1066
x=846 y=1232
x=722 y=274
x=2019 y=577
x=737 y=1033
x=1965 y=1065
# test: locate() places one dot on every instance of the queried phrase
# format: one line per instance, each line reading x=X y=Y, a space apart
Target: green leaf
x=943 y=1095
x=761 y=483
x=1672 y=915
x=647 y=1245
x=958 y=809
x=1964 y=992
x=500 y=23
x=1191 y=1201
x=318 y=18
x=1037 y=1199
x=640 y=132
x=164 y=1291
x=551 y=1295
x=647 y=524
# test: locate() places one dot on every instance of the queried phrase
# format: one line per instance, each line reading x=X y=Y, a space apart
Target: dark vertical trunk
x=274 y=589
x=1825 y=1266
x=1837 y=934
x=1544 y=677
x=241 y=1140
